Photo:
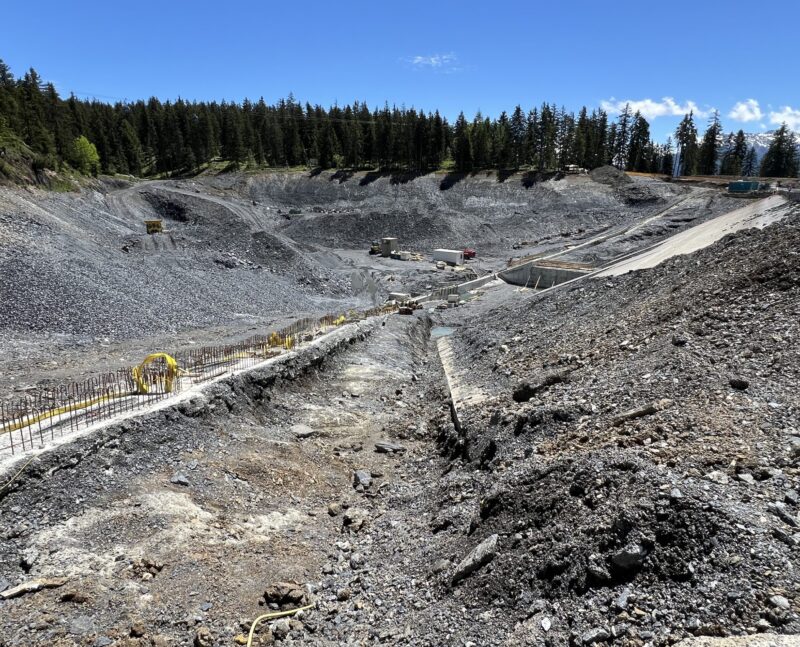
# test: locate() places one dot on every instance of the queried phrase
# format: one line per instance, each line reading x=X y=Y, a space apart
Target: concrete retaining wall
x=461 y=288
x=529 y=274
x=239 y=394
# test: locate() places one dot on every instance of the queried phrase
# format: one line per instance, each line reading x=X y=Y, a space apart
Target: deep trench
x=108 y=509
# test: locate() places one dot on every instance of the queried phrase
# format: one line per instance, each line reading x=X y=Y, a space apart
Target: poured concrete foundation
x=542 y=275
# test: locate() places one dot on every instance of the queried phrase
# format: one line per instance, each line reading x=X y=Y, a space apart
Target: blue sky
x=664 y=57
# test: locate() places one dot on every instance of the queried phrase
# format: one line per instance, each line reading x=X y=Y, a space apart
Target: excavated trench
x=319 y=469
x=169 y=528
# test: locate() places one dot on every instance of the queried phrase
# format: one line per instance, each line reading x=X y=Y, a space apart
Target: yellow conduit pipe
x=14 y=478
x=172 y=370
x=28 y=420
x=271 y=616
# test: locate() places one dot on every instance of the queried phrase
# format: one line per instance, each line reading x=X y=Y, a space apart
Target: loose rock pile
x=638 y=451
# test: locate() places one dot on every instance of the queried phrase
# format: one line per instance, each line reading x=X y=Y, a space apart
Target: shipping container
x=449 y=256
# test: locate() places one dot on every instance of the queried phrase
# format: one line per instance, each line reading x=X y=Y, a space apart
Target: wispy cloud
x=435 y=62
x=789 y=116
x=651 y=109
x=748 y=110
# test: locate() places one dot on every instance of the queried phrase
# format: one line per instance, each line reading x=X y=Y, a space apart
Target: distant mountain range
x=761 y=142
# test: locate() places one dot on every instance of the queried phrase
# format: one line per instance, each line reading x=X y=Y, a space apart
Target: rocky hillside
x=637 y=450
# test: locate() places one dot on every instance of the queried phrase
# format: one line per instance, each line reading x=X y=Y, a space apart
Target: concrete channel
x=544 y=274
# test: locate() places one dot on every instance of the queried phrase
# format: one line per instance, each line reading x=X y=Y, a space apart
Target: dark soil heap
x=638 y=450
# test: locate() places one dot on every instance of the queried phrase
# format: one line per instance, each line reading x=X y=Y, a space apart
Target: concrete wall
x=529 y=273
x=461 y=288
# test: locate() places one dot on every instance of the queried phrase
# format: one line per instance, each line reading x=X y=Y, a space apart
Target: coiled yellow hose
x=272 y=616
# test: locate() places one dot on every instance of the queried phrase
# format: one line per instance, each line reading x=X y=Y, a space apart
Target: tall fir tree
x=622 y=138
x=733 y=154
x=517 y=133
x=750 y=163
x=708 y=152
x=639 y=145
x=781 y=158
x=462 y=147
x=686 y=140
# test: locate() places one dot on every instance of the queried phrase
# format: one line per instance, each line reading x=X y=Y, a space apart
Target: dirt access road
x=757 y=214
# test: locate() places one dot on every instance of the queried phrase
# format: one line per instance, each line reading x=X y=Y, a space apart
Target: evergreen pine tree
x=733 y=154
x=667 y=158
x=501 y=142
x=622 y=138
x=686 y=139
x=532 y=142
x=131 y=147
x=517 y=128
x=781 y=159
x=326 y=146
x=480 y=138
x=462 y=147
x=709 y=149
x=232 y=144
x=639 y=149
x=750 y=163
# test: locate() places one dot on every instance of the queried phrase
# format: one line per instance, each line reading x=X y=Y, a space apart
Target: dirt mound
x=627 y=190
x=606 y=533
x=650 y=492
x=478 y=210
x=610 y=175
x=166 y=208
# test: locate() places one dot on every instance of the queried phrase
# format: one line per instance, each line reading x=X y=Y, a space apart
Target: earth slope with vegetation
x=41 y=133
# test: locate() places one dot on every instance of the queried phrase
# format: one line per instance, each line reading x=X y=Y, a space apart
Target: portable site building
x=449 y=256
x=389 y=245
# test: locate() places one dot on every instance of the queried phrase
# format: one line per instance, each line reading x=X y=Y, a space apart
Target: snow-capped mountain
x=761 y=142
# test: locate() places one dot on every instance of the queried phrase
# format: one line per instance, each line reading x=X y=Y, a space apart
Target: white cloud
x=787 y=115
x=650 y=108
x=436 y=62
x=748 y=110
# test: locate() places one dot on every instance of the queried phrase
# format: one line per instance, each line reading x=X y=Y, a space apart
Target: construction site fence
x=37 y=418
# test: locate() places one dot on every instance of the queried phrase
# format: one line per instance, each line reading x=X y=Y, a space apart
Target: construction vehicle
x=469 y=253
x=408 y=307
x=154 y=226
x=375 y=247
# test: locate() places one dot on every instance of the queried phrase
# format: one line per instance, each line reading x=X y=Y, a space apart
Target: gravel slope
x=627 y=474
x=84 y=287
x=635 y=445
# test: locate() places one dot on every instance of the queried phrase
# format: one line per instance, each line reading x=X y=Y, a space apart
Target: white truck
x=449 y=256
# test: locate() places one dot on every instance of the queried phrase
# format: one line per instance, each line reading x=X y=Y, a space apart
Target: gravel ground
x=635 y=446
x=86 y=290
x=626 y=471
